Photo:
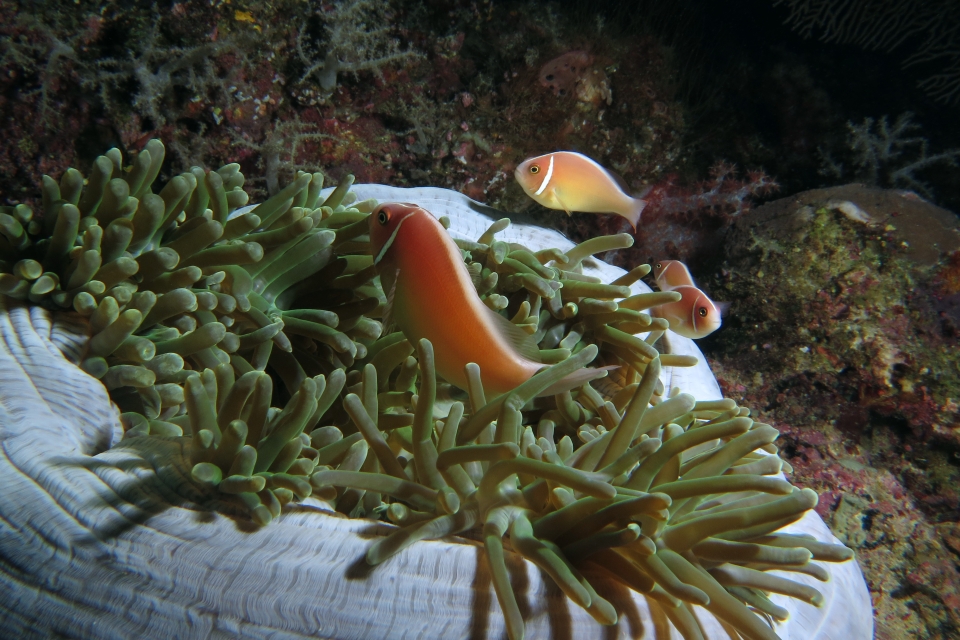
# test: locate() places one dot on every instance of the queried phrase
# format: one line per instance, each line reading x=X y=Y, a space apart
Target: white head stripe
x=386 y=245
x=694 y=316
x=546 y=178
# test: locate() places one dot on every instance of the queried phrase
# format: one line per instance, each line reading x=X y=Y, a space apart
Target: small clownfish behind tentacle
x=570 y=181
x=670 y=274
x=693 y=316
x=430 y=295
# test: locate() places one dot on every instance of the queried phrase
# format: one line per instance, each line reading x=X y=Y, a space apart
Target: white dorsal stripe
x=546 y=178
x=386 y=245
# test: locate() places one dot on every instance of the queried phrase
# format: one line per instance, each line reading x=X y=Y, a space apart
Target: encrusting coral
x=254 y=333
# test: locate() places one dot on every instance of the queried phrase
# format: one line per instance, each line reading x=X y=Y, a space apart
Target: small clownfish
x=430 y=295
x=570 y=181
x=693 y=316
x=670 y=274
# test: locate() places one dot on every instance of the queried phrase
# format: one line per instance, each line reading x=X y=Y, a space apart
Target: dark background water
x=758 y=90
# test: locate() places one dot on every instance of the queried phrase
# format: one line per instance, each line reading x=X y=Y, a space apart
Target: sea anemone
x=256 y=334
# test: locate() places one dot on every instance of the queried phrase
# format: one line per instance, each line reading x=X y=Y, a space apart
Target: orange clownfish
x=693 y=316
x=670 y=274
x=430 y=295
x=571 y=181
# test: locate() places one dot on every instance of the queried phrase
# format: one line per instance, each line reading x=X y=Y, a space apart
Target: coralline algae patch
x=838 y=337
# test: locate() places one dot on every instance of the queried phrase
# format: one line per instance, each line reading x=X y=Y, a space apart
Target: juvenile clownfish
x=693 y=316
x=570 y=181
x=670 y=274
x=430 y=295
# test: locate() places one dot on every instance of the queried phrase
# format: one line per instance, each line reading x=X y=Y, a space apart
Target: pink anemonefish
x=693 y=316
x=670 y=274
x=570 y=181
x=430 y=295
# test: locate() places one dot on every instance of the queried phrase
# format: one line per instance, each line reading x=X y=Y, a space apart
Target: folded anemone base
x=103 y=538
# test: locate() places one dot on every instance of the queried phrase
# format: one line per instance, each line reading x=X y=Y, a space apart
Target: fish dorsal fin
x=521 y=342
x=613 y=175
x=618 y=179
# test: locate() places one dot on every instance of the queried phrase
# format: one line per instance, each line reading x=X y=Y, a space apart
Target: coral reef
x=844 y=327
x=562 y=74
x=574 y=73
x=887 y=155
x=157 y=70
x=243 y=329
x=684 y=222
x=459 y=103
x=356 y=38
x=455 y=104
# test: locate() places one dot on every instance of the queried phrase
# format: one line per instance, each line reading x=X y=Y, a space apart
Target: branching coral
x=280 y=151
x=723 y=194
x=887 y=155
x=254 y=332
x=356 y=38
x=36 y=50
x=157 y=70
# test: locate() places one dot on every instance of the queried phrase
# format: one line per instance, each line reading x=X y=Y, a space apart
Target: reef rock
x=843 y=332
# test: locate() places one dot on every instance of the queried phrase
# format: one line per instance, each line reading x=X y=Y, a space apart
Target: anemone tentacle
x=246 y=352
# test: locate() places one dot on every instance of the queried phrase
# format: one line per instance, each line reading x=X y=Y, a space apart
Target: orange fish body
x=694 y=316
x=671 y=274
x=423 y=273
x=570 y=181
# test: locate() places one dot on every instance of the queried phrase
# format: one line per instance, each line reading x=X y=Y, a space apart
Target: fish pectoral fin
x=577 y=379
x=387 y=317
x=521 y=341
x=556 y=196
x=672 y=318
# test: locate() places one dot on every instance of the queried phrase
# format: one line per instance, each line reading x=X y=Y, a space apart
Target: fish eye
x=383 y=218
x=658 y=266
x=534 y=168
x=702 y=311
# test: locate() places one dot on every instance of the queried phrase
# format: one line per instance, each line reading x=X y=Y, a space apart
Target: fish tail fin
x=576 y=379
x=632 y=215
